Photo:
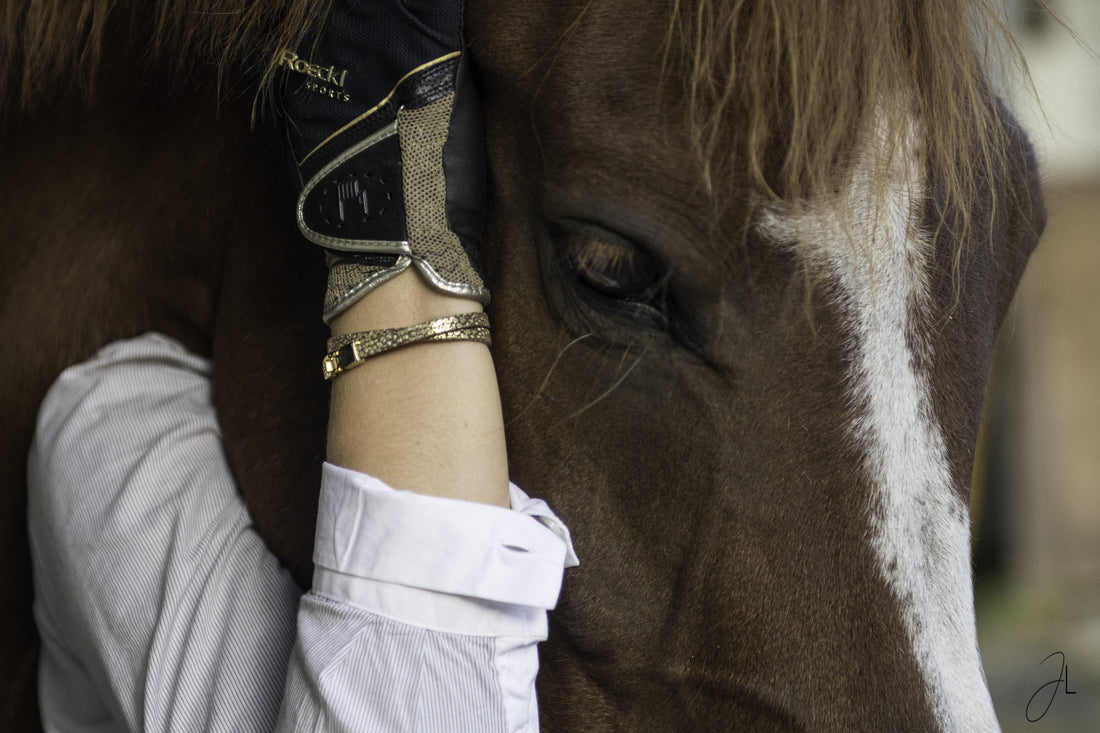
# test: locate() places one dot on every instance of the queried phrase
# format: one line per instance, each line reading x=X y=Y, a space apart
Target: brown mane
x=805 y=78
x=47 y=42
x=808 y=79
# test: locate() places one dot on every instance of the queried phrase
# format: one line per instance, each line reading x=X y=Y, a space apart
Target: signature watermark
x=1063 y=677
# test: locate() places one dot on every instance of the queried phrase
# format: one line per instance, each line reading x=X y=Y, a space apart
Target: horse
x=748 y=262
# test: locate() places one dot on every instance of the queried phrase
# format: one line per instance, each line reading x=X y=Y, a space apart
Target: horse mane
x=47 y=42
x=806 y=78
x=815 y=79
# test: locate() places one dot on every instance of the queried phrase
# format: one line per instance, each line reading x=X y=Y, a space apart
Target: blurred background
x=1037 y=499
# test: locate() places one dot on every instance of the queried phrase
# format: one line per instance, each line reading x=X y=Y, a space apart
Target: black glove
x=382 y=121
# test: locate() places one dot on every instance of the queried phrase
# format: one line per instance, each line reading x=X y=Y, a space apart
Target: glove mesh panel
x=348 y=281
x=422 y=132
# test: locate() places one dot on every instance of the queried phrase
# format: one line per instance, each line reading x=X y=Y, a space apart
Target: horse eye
x=614 y=268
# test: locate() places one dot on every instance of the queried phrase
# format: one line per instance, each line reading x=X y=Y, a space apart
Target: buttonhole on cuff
x=515 y=548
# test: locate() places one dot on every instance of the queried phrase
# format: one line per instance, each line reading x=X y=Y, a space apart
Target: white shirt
x=160 y=608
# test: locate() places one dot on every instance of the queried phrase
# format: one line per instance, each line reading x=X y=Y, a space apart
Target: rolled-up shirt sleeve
x=426 y=578
x=160 y=607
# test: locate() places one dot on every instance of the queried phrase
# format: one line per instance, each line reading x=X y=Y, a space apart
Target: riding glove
x=383 y=126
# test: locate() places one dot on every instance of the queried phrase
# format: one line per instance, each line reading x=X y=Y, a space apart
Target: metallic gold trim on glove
x=388 y=97
x=351 y=350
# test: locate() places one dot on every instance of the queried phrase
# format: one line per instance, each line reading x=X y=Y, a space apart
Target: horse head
x=755 y=403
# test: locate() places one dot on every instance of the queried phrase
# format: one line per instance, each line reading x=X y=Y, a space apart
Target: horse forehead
x=594 y=42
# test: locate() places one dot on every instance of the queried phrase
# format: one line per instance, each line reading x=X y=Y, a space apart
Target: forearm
x=425 y=417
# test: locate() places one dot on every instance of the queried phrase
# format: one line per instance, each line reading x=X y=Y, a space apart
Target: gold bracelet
x=351 y=350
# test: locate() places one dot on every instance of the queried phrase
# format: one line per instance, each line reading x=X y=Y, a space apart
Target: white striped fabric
x=160 y=608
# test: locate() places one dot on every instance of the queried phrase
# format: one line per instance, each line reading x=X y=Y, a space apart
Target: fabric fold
x=370 y=535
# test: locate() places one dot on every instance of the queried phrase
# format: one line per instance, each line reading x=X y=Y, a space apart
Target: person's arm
x=425 y=417
x=158 y=606
x=432 y=574
x=429 y=596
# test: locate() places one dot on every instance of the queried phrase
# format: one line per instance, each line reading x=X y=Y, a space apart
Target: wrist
x=404 y=300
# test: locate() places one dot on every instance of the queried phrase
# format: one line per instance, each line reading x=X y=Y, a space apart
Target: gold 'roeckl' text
x=327 y=75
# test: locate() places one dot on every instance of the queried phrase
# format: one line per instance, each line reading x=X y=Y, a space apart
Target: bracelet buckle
x=337 y=361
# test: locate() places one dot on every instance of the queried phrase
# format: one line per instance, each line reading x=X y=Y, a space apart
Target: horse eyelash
x=597 y=255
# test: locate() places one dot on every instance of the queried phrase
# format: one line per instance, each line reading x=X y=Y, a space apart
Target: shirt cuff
x=439 y=563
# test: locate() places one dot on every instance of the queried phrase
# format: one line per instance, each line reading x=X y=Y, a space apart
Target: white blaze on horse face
x=919 y=525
